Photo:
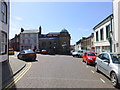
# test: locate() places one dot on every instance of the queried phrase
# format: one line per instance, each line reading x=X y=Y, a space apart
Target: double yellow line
x=11 y=84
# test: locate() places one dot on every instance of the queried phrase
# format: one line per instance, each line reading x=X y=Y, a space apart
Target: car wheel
x=18 y=57
x=96 y=68
x=114 y=79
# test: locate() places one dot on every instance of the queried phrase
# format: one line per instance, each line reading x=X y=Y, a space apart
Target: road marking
x=102 y=80
x=92 y=71
x=18 y=78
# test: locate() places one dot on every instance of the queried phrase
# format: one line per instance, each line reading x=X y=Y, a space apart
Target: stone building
x=59 y=42
x=15 y=43
x=87 y=43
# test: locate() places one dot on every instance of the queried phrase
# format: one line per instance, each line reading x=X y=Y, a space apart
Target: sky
x=79 y=18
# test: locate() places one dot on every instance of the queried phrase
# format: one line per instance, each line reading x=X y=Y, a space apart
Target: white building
x=29 y=39
x=78 y=45
x=4 y=29
x=101 y=35
x=116 y=30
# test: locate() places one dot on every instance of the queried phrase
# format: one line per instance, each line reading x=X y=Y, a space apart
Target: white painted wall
x=103 y=42
x=30 y=40
x=116 y=13
x=5 y=28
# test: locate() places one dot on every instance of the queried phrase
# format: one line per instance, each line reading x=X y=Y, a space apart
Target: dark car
x=51 y=52
x=27 y=55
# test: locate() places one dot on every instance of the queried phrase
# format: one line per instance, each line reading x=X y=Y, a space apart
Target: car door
x=99 y=62
x=106 y=63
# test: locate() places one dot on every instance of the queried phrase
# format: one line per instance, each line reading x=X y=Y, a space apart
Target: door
x=99 y=62
x=106 y=64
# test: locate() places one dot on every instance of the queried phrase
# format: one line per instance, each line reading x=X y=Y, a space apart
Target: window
x=107 y=31
x=4 y=12
x=3 y=49
x=29 y=42
x=97 y=36
x=101 y=34
x=100 y=56
x=23 y=41
x=106 y=56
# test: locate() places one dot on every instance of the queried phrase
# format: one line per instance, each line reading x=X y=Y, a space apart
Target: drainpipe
x=110 y=38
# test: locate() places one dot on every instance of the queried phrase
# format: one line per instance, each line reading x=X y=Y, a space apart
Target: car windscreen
x=115 y=58
x=29 y=51
x=91 y=54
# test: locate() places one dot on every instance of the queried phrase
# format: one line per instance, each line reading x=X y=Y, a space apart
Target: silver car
x=109 y=64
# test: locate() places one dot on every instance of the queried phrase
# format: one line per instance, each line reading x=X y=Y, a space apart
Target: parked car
x=11 y=52
x=44 y=51
x=78 y=53
x=89 y=58
x=37 y=51
x=27 y=55
x=51 y=52
x=109 y=64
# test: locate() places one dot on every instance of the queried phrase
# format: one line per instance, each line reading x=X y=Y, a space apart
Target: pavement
x=10 y=68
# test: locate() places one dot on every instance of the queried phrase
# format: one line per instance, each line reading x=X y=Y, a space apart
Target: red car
x=44 y=51
x=89 y=58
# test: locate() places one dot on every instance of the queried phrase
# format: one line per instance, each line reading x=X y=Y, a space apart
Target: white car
x=109 y=64
x=78 y=53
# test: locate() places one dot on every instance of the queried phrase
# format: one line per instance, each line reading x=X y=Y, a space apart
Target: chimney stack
x=40 y=30
x=22 y=29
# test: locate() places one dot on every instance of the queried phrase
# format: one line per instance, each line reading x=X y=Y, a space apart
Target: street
x=60 y=71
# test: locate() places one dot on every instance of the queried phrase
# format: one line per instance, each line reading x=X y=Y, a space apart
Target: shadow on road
x=6 y=74
x=30 y=60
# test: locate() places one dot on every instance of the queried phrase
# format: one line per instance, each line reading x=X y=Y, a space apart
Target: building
x=15 y=43
x=78 y=45
x=87 y=43
x=4 y=29
x=59 y=42
x=116 y=30
x=102 y=34
x=28 y=39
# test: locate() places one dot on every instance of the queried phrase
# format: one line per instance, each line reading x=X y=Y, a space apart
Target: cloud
x=18 y=18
